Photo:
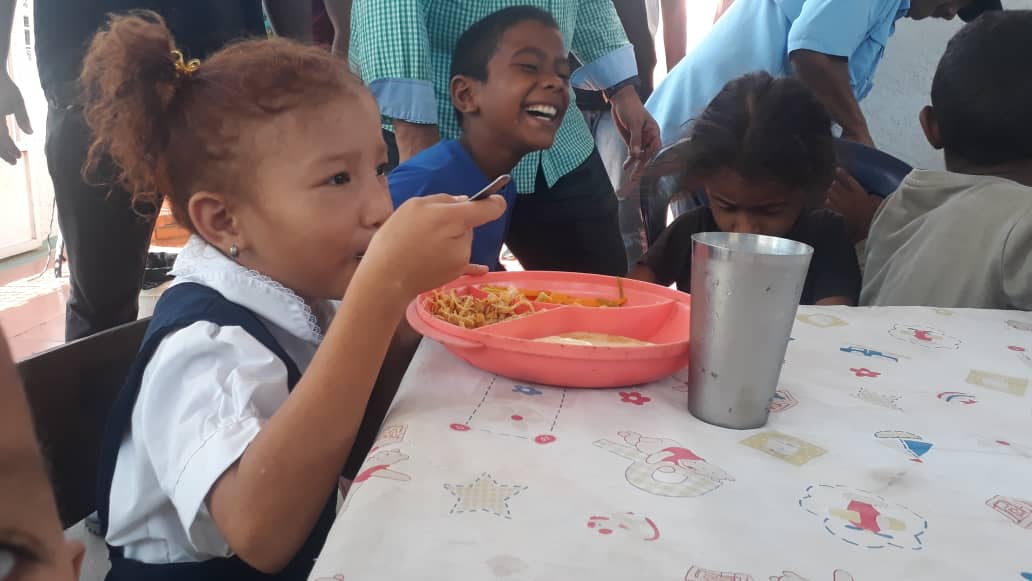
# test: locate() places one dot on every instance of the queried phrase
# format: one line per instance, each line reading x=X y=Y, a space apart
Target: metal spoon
x=492 y=188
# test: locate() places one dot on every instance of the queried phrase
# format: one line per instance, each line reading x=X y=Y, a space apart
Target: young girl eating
x=223 y=450
x=764 y=153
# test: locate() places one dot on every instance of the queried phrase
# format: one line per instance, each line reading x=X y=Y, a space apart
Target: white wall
x=26 y=193
x=902 y=86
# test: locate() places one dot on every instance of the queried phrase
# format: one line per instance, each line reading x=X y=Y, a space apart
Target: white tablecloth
x=899 y=448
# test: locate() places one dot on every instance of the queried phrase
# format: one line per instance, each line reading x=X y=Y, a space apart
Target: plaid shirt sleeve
x=390 y=50
x=599 y=31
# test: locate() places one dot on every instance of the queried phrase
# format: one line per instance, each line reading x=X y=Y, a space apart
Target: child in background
x=963 y=237
x=510 y=88
x=223 y=449
x=32 y=544
x=763 y=150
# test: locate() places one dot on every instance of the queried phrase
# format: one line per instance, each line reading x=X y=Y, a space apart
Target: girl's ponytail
x=130 y=77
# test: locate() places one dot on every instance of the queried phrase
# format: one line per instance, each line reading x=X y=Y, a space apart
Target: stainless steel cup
x=745 y=293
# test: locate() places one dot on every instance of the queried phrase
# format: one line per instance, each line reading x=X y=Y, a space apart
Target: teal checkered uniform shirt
x=403 y=51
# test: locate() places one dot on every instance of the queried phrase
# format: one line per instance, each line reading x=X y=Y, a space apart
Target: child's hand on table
x=427 y=242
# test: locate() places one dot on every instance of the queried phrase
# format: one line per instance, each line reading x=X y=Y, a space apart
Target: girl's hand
x=427 y=243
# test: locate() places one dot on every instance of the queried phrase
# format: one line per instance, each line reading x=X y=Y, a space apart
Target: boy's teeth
x=543 y=111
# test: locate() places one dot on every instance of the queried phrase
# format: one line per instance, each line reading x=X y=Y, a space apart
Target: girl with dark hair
x=764 y=153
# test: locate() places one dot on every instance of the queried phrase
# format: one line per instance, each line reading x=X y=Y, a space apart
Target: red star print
x=634 y=397
x=923 y=335
x=864 y=372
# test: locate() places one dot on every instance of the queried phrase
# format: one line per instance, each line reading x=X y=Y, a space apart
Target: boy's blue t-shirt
x=447 y=168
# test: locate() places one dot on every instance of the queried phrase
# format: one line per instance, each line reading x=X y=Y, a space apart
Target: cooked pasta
x=483 y=305
x=478 y=308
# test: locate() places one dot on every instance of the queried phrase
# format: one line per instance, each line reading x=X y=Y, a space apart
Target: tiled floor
x=32 y=308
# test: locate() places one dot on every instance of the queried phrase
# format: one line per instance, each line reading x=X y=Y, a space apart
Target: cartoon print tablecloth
x=899 y=448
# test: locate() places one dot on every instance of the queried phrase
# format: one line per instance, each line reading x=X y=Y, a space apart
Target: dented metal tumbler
x=745 y=293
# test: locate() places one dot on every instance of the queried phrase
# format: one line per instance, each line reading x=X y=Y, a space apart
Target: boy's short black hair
x=761 y=128
x=982 y=91
x=478 y=44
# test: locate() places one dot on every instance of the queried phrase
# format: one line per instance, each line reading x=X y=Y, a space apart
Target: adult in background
x=323 y=30
x=568 y=218
x=331 y=29
x=722 y=7
x=106 y=239
x=834 y=46
x=640 y=19
x=331 y=25
x=674 y=15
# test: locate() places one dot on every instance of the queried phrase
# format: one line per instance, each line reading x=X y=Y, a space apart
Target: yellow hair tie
x=185 y=68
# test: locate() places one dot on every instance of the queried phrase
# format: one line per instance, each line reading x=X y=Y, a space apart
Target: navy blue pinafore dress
x=179 y=307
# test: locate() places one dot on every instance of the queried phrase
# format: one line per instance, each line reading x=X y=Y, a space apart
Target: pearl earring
x=234 y=251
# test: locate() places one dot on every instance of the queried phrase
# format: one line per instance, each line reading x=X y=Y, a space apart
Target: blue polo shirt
x=759 y=35
x=447 y=168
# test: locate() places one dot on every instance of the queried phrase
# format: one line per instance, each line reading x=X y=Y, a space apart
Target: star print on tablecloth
x=886 y=400
x=526 y=390
x=783 y=400
x=484 y=494
x=923 y=336
x=634 y=397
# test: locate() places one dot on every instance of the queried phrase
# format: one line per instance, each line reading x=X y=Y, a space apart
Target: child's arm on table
x=266 y=504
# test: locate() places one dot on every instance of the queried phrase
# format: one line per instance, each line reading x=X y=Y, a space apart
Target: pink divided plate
x=652 y=313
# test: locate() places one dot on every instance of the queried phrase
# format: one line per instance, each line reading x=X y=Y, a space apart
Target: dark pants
x=572 y=226
x=105 y=238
